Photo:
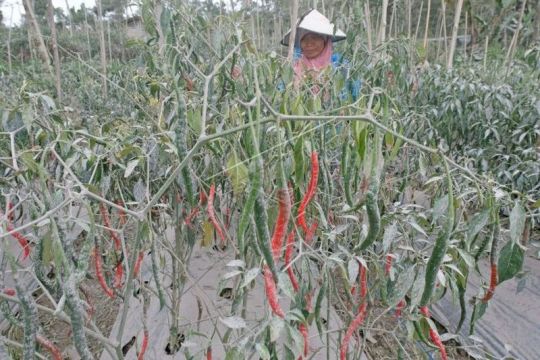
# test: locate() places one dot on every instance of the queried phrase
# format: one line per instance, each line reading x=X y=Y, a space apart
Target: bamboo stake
x=56 y=57
x=38 y=37
x=409 y=18
x=465 y=37
x=292 y=35
x=418 y=22
x=486 y=52
x=102 y=51
x=457 y=16
x=382 y=29
x=70 y=19
x=445 y=35
x=9 y=39
x=367 y=24
x=87 y=32
x=514 y=41
x=427 y=25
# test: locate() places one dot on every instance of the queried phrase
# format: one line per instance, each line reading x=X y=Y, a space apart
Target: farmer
x=314 y=52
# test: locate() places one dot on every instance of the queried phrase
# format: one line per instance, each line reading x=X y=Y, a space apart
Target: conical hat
x=314 y=21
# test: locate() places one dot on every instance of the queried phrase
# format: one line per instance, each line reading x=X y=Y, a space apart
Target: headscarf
x=320 y=62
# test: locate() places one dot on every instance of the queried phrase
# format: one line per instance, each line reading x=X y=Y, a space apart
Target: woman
x=315 y=36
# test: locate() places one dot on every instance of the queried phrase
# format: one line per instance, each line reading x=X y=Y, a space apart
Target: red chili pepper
x=388 y=264
x=271 y=292
x=310 y=193
x=288 y=259
x=107 y=223
x=99 y=273
x=212 y=214
x=304 y=331
x=118 y=275
x=358 y=320
x=121 y=213
x=437 y=341
x=143 y=346
x=10 y=292
x=492 y=283
x=10 y=214
x=311 y=232
x=22 y=240
x=209 y=353
x=400 y=306
x=138 y=262
x=189 y=219
x=47 y=344
x=433 y=334
x=363 y=282
x=281 y=223
x=202 y=197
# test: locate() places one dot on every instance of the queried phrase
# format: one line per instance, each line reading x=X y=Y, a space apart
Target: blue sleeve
x=352 y=86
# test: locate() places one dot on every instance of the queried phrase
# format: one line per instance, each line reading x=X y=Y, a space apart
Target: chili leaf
x=510 y=261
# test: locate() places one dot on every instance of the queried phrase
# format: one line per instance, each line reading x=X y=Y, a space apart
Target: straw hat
x=314 y=21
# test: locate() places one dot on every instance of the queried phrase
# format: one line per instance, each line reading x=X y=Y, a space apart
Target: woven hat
x=314 y=21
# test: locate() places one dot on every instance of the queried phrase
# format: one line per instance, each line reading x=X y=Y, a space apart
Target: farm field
x=175 y=185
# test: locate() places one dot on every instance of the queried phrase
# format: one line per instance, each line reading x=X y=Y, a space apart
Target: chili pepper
x=10 y=291
x=288 y=258
x=47 y=344
x=310 y=193
x=271 y=292
x=401 y=304
x=107 y=223
x=121 y=213
x=118 y=275
x=99 y=273
x=212 y=214
x=433 y=334
x=21 y=239
x=138 y=262
x=437 y=341
x=311 y=232
x=189 y=219
x=10 y=214
x=441 y=244
x=357 y=321
x=363 y=282
x=388 y=264
x=304 y=331
x=492 y=284
x=281 y=223
x=209 y=353
x=143 y=346
x=374 y=217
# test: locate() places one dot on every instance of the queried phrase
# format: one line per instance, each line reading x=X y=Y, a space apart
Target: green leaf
x=263 y=351
x=233 y=322
x=510 y=261
x=403 y=283
x=476 y=224
x=238 y=173
x=517 y=222
x=299 y=160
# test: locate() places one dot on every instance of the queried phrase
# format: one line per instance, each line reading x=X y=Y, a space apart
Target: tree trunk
x=292 y=35
x=54 y=43
x=457 y=16
x=37 y=37
x=102 y=50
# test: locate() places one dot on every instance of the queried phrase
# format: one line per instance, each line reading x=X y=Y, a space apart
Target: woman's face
x=312 y=45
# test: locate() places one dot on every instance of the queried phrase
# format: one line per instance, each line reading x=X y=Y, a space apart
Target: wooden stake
x=56 y=57
x=457 y=16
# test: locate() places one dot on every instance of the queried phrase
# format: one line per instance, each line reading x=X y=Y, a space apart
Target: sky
x=18 y=9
